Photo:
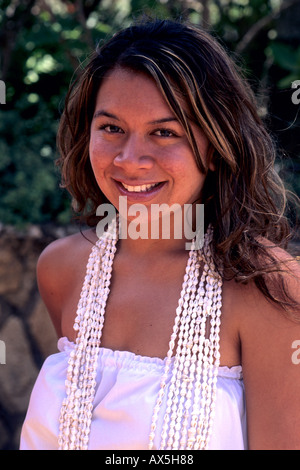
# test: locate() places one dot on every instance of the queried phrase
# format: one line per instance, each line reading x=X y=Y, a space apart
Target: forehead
x=123 y=86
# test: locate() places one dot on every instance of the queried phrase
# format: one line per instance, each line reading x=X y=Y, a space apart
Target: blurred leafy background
x=43 y=43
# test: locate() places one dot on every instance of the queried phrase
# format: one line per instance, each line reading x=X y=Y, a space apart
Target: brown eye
x=164 y=133
x=111 y=129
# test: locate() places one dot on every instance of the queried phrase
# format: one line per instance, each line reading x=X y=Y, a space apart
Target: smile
x=140 y=192
x=141 y=188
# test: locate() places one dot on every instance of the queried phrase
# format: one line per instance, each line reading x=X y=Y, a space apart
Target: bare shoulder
x=60 y=268
x=271 y=377
x=62 y=251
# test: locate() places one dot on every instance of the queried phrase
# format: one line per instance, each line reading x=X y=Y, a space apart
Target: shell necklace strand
x=189 y=378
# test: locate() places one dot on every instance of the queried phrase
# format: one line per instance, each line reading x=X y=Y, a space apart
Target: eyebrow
x=101 y=112
x=166 y=119
x=105 y=113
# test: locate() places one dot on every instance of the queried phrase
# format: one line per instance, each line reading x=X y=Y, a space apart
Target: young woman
x=163 y=346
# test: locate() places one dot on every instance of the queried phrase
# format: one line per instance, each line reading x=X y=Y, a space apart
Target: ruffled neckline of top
x=125 y=358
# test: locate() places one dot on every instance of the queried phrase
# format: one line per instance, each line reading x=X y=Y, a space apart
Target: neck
x=152 y=247
x=169 y=233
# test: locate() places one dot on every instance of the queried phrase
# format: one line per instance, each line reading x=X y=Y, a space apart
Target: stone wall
x=26 y=332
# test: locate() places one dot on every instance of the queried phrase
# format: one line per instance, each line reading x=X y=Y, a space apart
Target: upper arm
x=60 y=274
x=48 y=279
x=271 y=376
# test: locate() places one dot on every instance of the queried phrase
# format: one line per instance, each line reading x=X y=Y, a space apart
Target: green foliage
x=288 y=59
x=42 y=45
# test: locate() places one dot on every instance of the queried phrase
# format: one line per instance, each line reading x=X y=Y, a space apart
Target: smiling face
x=138 y=148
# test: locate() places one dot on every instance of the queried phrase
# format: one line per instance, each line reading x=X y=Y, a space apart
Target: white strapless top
x=125 y=397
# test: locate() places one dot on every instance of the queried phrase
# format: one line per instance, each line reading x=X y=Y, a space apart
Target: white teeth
x=139 y=189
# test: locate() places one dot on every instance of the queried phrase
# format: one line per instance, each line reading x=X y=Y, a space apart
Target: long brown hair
x=244 y=198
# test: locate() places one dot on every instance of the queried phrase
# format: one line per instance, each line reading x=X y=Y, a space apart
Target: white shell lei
x=191 y=392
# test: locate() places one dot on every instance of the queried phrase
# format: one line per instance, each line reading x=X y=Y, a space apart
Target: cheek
x=99 y=157
x=181 y=164
x=189 y=176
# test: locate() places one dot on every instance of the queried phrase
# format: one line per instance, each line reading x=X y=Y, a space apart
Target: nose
x=134 y=155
